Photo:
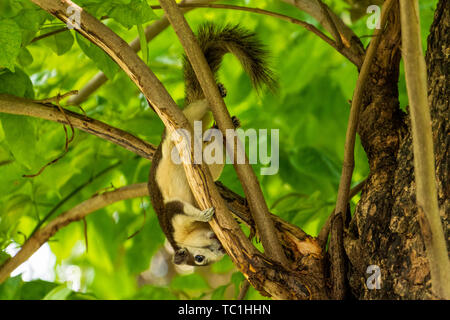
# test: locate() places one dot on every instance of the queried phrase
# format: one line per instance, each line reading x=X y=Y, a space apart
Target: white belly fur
x=171 y=177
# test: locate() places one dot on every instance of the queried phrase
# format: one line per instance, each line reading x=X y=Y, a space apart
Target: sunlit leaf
x=10 y=40
x=16 y=83
x=135 y=13
x=58 y=293
x=20 y=133
x=60 y=43
x=98 y=56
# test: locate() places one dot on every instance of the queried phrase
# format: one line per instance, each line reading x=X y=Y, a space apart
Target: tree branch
x=77 y=213
x=72 y=194
x=334 y=31
x=424 y=169
x=335 y=44
x=352 y=46
x=337 y=225
x=21 y=106
x=151 y=32
x=49 y=34
x=247 y=177
x=322 y=237
x=305 y=244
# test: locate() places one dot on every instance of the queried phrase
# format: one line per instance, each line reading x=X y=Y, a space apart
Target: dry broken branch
x=21 y=106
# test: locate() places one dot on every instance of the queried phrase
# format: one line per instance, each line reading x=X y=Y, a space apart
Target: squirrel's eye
x=199 y=258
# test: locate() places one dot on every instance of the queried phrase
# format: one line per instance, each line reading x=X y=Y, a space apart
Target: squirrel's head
x=199 y=256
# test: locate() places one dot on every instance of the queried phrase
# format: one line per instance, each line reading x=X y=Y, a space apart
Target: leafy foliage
x=310 y=111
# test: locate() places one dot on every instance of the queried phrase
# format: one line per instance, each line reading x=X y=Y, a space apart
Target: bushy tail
x=215 y=41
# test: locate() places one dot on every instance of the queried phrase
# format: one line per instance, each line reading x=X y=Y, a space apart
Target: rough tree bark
x=385 y=228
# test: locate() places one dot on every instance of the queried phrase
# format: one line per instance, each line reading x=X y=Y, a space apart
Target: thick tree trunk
x=385 y=230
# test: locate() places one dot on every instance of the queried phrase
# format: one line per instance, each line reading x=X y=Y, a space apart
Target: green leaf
x=10 y=41
x=139 y=254
x=30 y=19
x=237 y=279
x=60 y=43
x=310 y=160
x=16 y=83
x=3 y=257
x=36 y=289
x=9 y=8
x=81 y=296
x=191 y=282
x=59 y=293
x=149 y=292
x=10 y=289
x=135 y=13
x=20 y=134
x=98 y=56
x=143 y=41
x=18 y=205
x=223 y=266
x=12 y=179
x=219 y=293
x=24 y=58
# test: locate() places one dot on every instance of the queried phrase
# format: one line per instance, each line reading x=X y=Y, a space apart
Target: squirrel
x=185 y=226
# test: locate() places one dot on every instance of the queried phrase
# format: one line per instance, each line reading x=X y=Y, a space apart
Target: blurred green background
x=310 y=110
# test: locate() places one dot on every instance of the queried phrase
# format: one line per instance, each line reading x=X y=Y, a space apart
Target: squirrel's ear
x=181 y=256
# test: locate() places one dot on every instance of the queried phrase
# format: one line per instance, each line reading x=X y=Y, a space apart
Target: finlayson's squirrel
x=185 y=226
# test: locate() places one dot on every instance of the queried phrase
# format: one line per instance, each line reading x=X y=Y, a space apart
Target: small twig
x=322 y=238
x=142 y=226
x=49 y=34
x=301 y=23
x=77 y=213
x=85 y=233
x=244 y=289
x=21 y=106
x=5 y=162
x=352 y=47
x=57 y=98
x=67 y=141
x=103 y=190
x=289 y=195
x=334 y=31
x=45 y=166
x=72 y=194
x=23 y=235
